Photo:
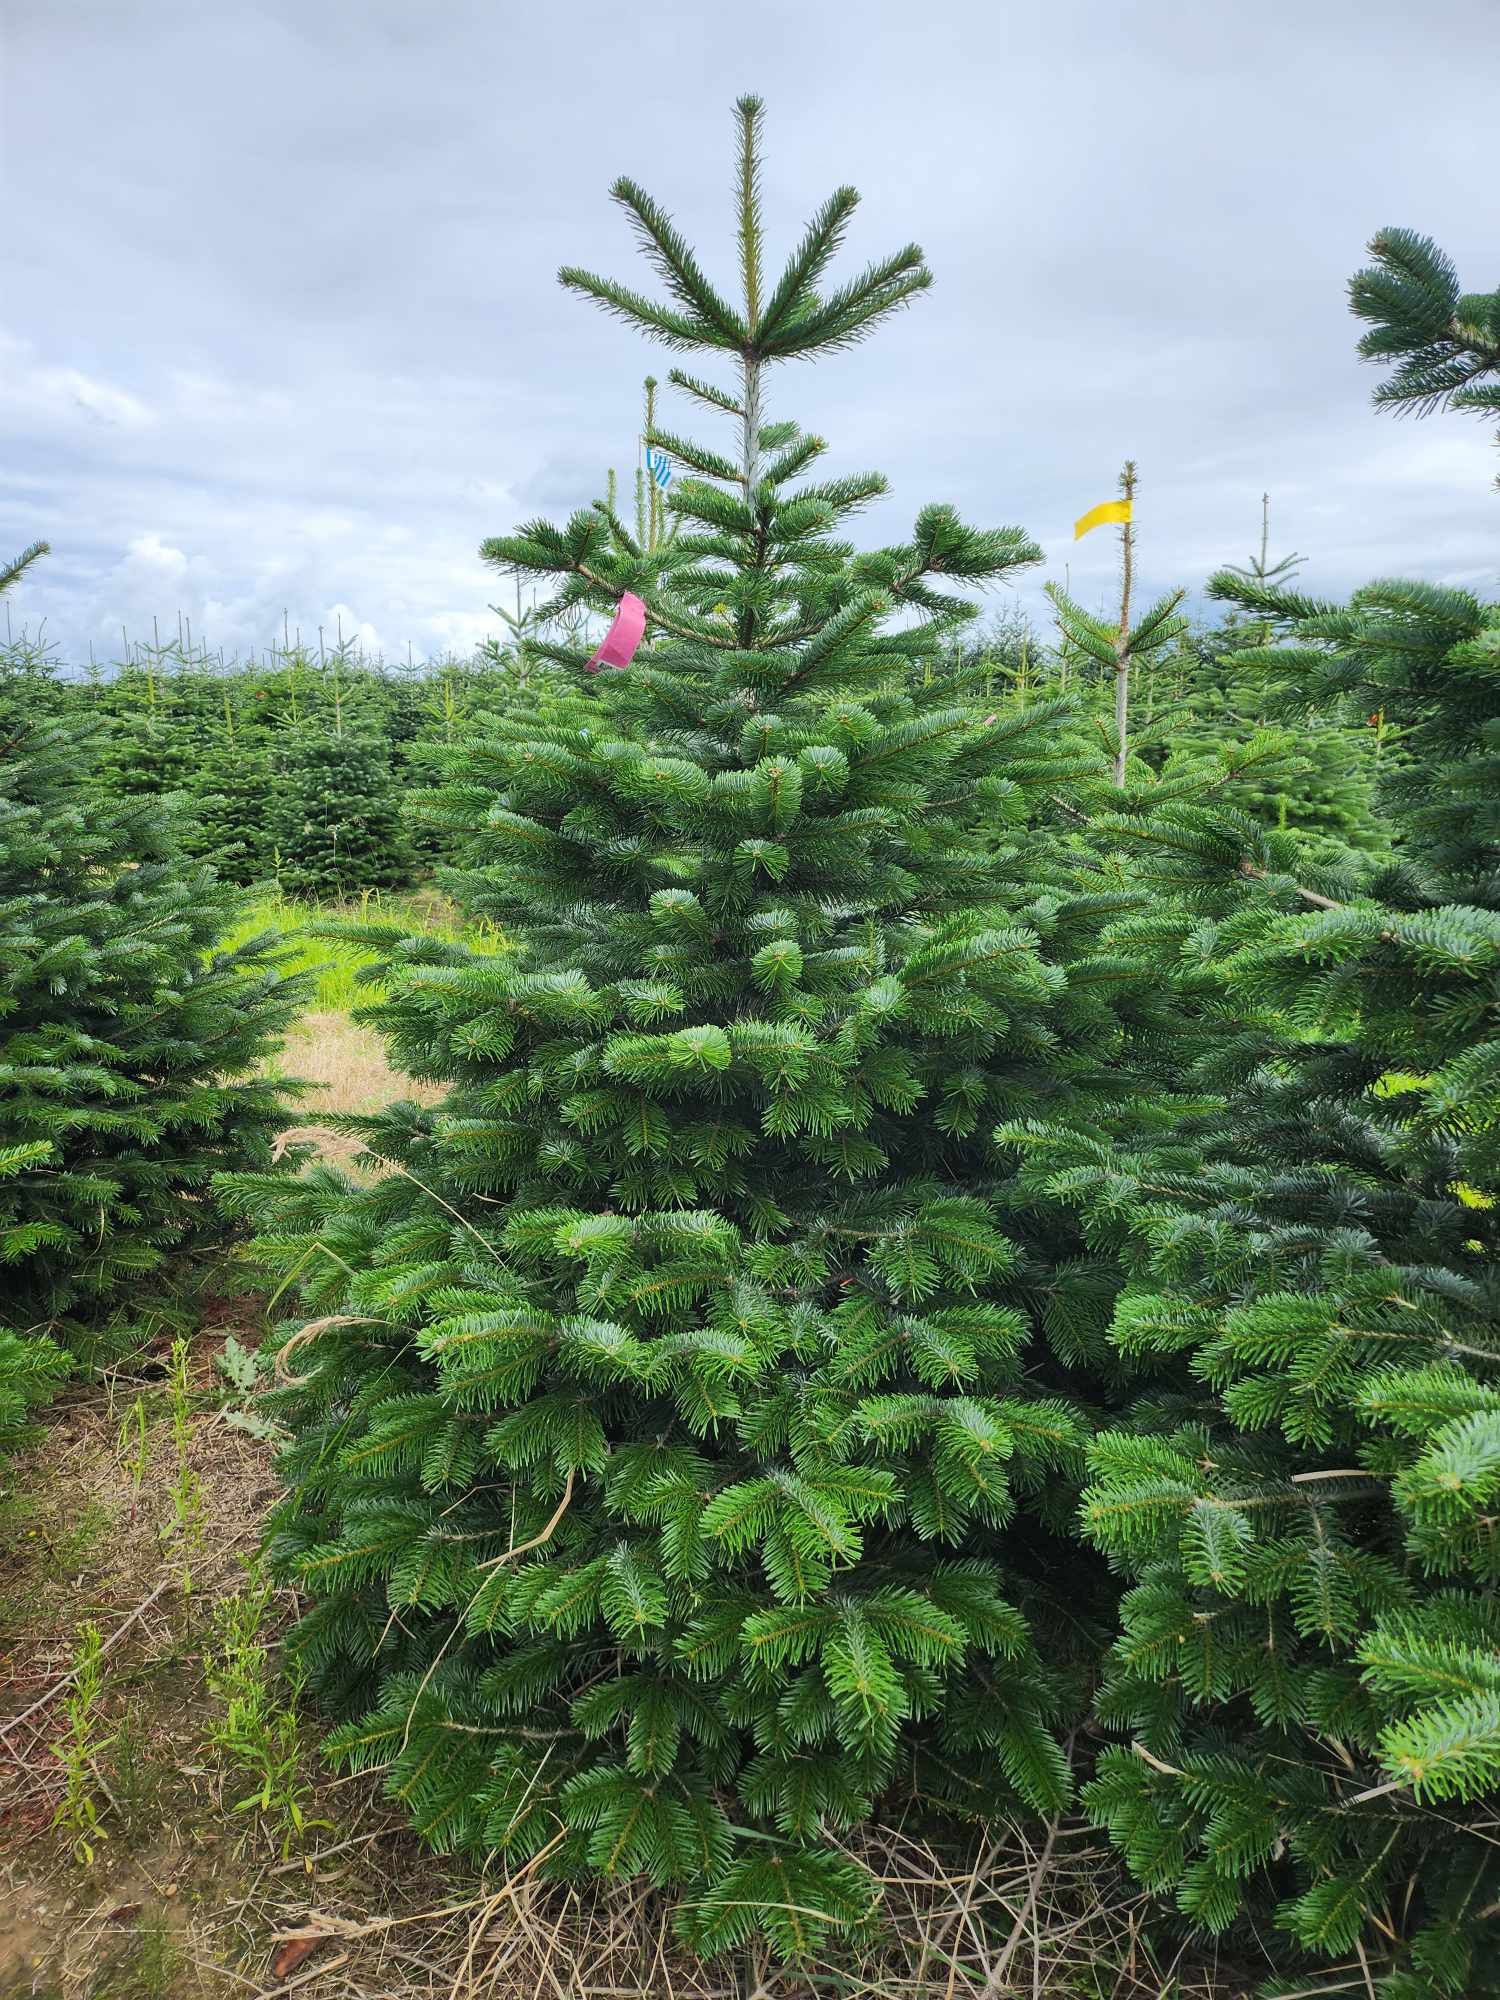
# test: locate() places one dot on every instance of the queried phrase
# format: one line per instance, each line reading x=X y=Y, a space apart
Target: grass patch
x=342 y=1061
x=160 y=1812
x=337 y=962
x=144 y=1967
x=57 y=1549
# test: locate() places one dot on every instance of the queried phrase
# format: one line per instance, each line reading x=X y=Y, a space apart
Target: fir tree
x=128 y=1046
x=669 y=1411
x=333 y=826
x=651 y=523
x=156 y=715
x=229 y=804
x=1328 y=794
x=1260 y=570
x=1324 y=790
x=12 y=572
x=1445 y=341
x=1309 y=1667
x=31 y=683
x=29 y=1368
x=1197 y=721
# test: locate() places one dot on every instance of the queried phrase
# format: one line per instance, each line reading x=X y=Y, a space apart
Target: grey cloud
x=280 y=286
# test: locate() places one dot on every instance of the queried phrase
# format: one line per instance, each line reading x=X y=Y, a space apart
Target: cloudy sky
x=280 y=331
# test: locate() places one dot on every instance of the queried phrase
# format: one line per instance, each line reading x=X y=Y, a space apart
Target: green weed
x=243 y=1369
x=185 y=1491
x=82 y=1539
x=257 y=1728
x=78 y=1814
x=144 y=1967
x=133 y=1779
x=134 y=1449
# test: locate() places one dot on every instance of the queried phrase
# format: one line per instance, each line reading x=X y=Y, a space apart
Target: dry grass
x=346 y=1067
x=186 y=1896
x=343 y=1061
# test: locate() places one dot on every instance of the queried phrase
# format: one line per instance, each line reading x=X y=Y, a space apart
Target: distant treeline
x=295 y=765
x=292 y=766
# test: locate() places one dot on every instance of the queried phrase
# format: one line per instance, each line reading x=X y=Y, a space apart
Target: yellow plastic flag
x=1107 y=510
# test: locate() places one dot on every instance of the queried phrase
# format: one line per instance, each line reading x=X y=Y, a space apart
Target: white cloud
x=154 y=561
x=143 y=591
x=100 y=400
x=343 y=625
x=36 y=392
x=308 y=372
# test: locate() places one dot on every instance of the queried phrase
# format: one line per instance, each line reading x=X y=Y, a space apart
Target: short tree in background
x=1326 y=792
x=1309 y=1668
x=1197 y=726
x=129 y=1055
x=332 y=826
x=229 y=798
x=685 y=1453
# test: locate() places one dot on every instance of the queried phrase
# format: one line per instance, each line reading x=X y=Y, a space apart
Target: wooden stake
x=1122 y=637
x=653 y=491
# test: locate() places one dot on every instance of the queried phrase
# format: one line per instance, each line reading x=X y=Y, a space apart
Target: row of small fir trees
x=295 y=770
x=928 y=1259
x=290 y=771
x=134 y=1059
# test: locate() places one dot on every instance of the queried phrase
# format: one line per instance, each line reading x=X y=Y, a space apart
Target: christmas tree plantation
x=1309 y=1666
x=684 y=1452
x=129 y=1047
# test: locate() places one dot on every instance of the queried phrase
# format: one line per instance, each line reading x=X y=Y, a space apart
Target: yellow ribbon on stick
x=1107 y=510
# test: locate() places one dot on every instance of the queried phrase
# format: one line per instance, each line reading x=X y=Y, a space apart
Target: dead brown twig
x=995 y=1983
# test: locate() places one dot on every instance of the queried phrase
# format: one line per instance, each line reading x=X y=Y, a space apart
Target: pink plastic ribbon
x=622 y=638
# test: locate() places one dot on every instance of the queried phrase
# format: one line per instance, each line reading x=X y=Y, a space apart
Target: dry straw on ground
x=344 y=1063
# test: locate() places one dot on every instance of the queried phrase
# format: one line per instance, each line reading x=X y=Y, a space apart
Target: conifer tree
x=229 y=803
x=153 y=717
x=668 y=1413
x=651 y=522
x=29 y=1368
x=1324 y=789
x=128 y=1050
x=11 y=572
x=1445 y=342
x=333 y=825
x=1309 y=1669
